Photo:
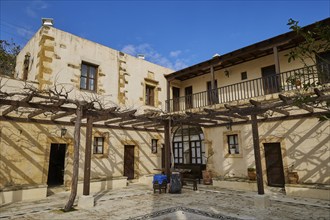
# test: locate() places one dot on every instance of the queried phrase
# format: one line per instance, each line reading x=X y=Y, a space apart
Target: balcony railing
x=291 y=80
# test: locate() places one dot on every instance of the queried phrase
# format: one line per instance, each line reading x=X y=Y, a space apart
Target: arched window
x=188 y=146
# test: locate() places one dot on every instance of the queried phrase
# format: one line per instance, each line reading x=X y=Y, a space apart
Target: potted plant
x=293 y=176
x=252 y=173
x=207 y=174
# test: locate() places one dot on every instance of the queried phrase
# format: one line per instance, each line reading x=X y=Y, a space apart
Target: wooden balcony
x=286 y=81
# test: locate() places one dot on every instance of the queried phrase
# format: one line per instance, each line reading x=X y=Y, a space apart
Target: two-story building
x=229 y=113
x=37 y=146
x=229 y=108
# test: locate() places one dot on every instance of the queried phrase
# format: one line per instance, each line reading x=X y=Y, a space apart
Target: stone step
x=55 y=189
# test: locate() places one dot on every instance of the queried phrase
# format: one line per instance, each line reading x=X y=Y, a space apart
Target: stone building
x=215 y=104
x=218 y=114
x=36 y=155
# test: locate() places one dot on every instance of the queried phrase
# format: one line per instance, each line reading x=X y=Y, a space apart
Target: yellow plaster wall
x=305 y=143
x=25 y=149
x=253 y=69
x=57 y=58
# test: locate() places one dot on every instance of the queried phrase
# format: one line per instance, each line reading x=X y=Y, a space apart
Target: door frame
x=176 y=98
x=133 y=168
x=281 y=165
x=188 y=97
x=285 y=160
x=270 y=83
x=64 y=161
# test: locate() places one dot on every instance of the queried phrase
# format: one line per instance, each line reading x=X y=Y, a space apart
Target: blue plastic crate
x=160 y=178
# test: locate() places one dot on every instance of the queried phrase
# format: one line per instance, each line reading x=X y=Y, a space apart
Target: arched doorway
x=188 y=148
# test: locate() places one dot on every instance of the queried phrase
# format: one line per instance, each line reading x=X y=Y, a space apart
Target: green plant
x=8 y=53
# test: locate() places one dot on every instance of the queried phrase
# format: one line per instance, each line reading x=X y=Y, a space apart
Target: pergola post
x=167 y=137
x=88 y=152
x=255 y=135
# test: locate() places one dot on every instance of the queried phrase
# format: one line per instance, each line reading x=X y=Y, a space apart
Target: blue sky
x=172 y=33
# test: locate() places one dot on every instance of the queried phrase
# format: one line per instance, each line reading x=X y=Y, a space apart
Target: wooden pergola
x=62 y=111
x=254 y=112
x=48 y=109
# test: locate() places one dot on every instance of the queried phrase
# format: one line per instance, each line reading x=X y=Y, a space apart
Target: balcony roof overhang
x=263 y=48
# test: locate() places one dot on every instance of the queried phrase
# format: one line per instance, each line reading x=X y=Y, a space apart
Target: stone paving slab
x=139 y=202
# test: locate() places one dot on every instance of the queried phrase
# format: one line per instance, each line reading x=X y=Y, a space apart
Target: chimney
x=47 y=22
x=141 y=56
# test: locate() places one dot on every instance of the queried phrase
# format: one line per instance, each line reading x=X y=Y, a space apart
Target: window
x=26 y=66
x=244 y=75
x=188 y=146
x=323 y=64
x=98 y=145
x=88 y=77
x=154 y=146
x=150 y=94
x=233 y=147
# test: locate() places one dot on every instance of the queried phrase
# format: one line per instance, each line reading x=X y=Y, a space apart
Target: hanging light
x=63 y=131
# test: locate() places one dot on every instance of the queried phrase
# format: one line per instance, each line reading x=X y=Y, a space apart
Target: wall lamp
x=228 y=126
x=226 y=73
x=63 y=132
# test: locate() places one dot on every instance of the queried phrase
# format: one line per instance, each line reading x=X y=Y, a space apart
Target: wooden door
x=188 y=97
x=323 y=67
x=129 y=162
x=212 y=94
x=176 y=98
x=56 y=164
x=274 y=164
x=270 y=80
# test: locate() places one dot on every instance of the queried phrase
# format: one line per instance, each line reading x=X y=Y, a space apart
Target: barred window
x=98 y=145
x=233 y=147
x=154 y=146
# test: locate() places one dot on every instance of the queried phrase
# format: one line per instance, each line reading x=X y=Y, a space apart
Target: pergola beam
x=60 y=115
x=113 y=121
x=15 y=105
x=37 y=112
x=306 y=108
x=281 y=111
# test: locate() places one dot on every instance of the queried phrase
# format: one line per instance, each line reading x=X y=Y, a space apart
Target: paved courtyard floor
x=139 y=202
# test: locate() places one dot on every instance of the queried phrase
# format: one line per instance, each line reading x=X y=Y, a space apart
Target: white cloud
x=153 y=56
x=175 y=53
x=24 y=32
x=34 y=7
